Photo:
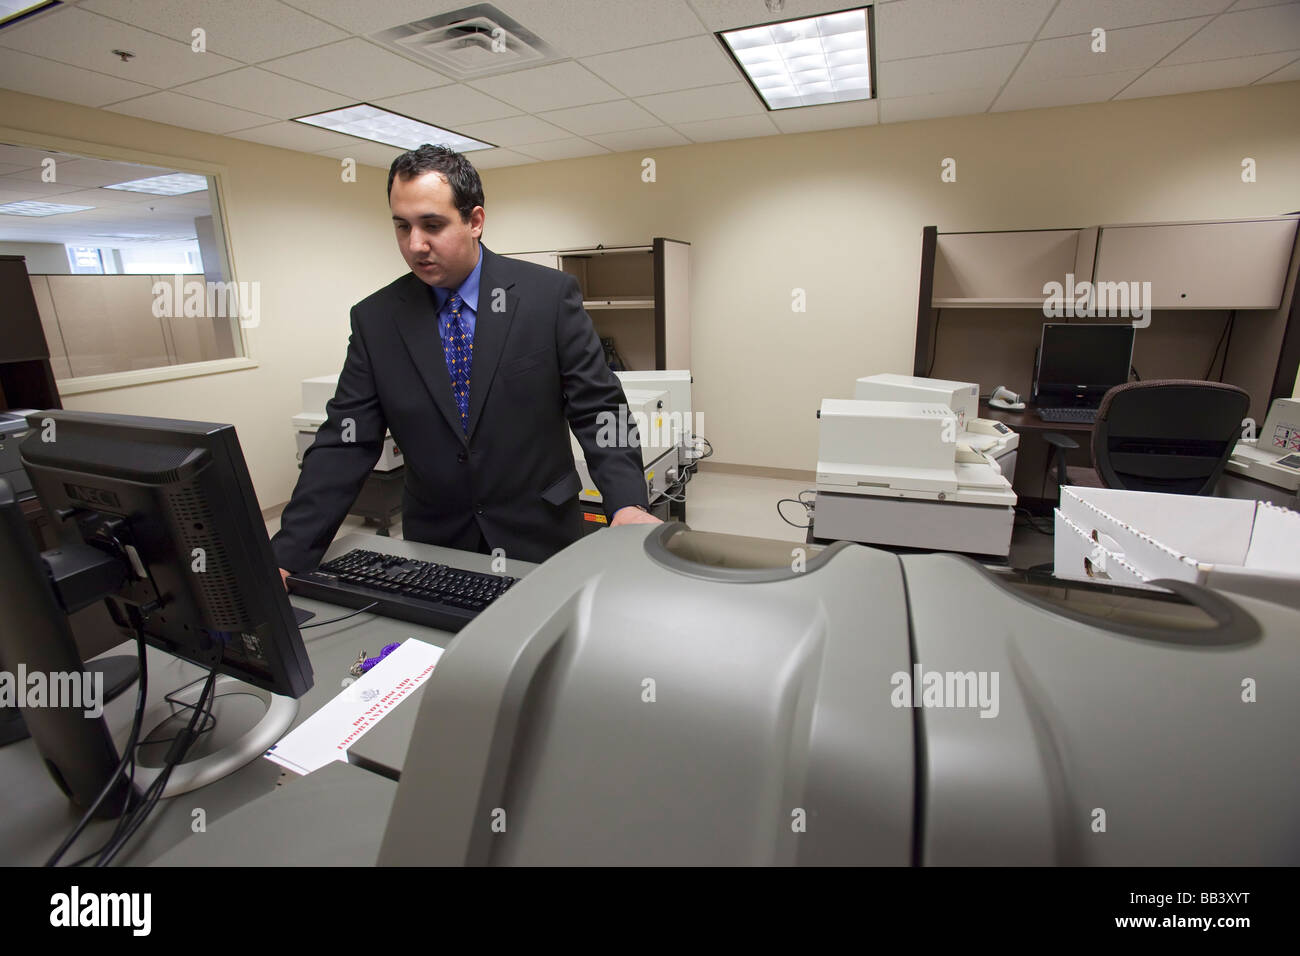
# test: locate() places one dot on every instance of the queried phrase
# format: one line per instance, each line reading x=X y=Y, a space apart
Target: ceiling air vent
x=475 y=41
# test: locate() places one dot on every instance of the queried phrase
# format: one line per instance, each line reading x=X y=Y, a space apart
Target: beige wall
x=315 y=243
x=838 y=214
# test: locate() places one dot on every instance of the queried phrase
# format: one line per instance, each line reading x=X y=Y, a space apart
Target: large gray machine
x=663 y=696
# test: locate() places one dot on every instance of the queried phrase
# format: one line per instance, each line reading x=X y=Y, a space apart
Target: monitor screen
x=1080 y=362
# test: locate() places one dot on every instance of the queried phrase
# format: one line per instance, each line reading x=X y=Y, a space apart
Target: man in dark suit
x=478 y=364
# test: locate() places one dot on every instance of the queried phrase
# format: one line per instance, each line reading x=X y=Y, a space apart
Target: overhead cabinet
x=637 y=296
x=1240 y=264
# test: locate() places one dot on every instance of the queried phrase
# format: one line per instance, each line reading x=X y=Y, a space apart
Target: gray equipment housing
x=655 y=695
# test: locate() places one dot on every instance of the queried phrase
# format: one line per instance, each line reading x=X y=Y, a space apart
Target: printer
x=677 y=383
x=316 y=393
x=895 y=473
x=1267 y=467
x=649 y=411
x=980 y=434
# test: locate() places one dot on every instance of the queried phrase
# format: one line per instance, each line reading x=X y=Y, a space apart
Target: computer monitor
x=1079 y=362
x=171 y=504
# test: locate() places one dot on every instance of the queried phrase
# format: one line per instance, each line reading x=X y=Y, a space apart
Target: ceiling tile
x=496 y=158
x=807 y=119
x=1265 y=30
x=273 y=94
x=366 y=153
x=1285 y=75
x=59 y=81
x=1031 y=93
x=448 y=106
x=86 y=40
x=1250 y=4
x=586 y=27
x=934 y=105
x=705 y=103
x=1083 y=16
x=308 y=139
x=1210 y=75
x=550 y=87
x=925 y=27
x=189 y=113
x=655 y=137
x=736 y=127
x=663 y=67
x=357 y=69
x=562 y=149
x=601 y=118
x=512 y=131
x=247 y=30
x=363 y=18
x=730 y=14
x=949 y=71
x=1131 y=48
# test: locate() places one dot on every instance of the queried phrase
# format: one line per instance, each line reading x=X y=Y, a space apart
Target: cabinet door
x=1201 y=265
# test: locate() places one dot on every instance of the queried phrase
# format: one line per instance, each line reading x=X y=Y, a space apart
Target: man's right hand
x=284 y=578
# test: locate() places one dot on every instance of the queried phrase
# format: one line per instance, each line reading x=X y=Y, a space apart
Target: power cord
x=335 y=620
x=128 y=756
x=808 y=507
x=175 y=754
x=1032 y=521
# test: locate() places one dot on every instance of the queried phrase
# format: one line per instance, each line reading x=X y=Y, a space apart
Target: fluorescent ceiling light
x=17 y=9
x=174 y=184
x=391 y=129
x=30 y=207
x=806 y=62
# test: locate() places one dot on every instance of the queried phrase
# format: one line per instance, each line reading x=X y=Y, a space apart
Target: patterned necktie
x=459 y=349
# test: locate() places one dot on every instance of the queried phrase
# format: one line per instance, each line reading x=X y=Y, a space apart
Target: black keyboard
x=1084 y=416
x=434 y=595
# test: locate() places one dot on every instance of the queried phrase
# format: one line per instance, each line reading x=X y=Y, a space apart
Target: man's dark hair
x=466 y=187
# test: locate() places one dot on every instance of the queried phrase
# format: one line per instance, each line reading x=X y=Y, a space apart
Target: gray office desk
x=37 y=816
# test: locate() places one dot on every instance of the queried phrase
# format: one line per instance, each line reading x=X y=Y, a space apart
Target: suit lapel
x=417 y=322
x=496 y=310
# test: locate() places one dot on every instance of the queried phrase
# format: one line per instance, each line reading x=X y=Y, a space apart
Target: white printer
x=1268 y=467
x=316 y=393
x=980 y=434
x=649 y=411
x=895 y=473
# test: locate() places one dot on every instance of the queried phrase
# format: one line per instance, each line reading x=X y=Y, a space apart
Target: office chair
x=1166 y=435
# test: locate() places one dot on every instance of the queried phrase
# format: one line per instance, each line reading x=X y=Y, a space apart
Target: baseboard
x=759 y=471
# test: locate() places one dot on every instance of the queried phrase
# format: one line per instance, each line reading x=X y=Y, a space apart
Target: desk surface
x=37 y=816
x=1028 y=420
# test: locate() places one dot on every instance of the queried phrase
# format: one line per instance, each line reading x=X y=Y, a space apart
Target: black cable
x=335 y=620
x=1214 y=356
x=128 y=756
x=175 y=755
x=1032 y=521
x=1227 y=346
x=787 y=520
x=934 y=341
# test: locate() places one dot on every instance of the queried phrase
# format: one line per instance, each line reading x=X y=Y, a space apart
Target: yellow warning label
x=599 y=519
x=591 y=491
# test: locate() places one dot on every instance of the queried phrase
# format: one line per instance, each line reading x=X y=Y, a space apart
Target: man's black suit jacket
x=538 y=367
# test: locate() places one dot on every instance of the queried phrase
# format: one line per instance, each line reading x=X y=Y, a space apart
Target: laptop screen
x=1078 y=363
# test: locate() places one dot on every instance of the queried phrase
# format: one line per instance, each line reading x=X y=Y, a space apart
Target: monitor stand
x=201 y=771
